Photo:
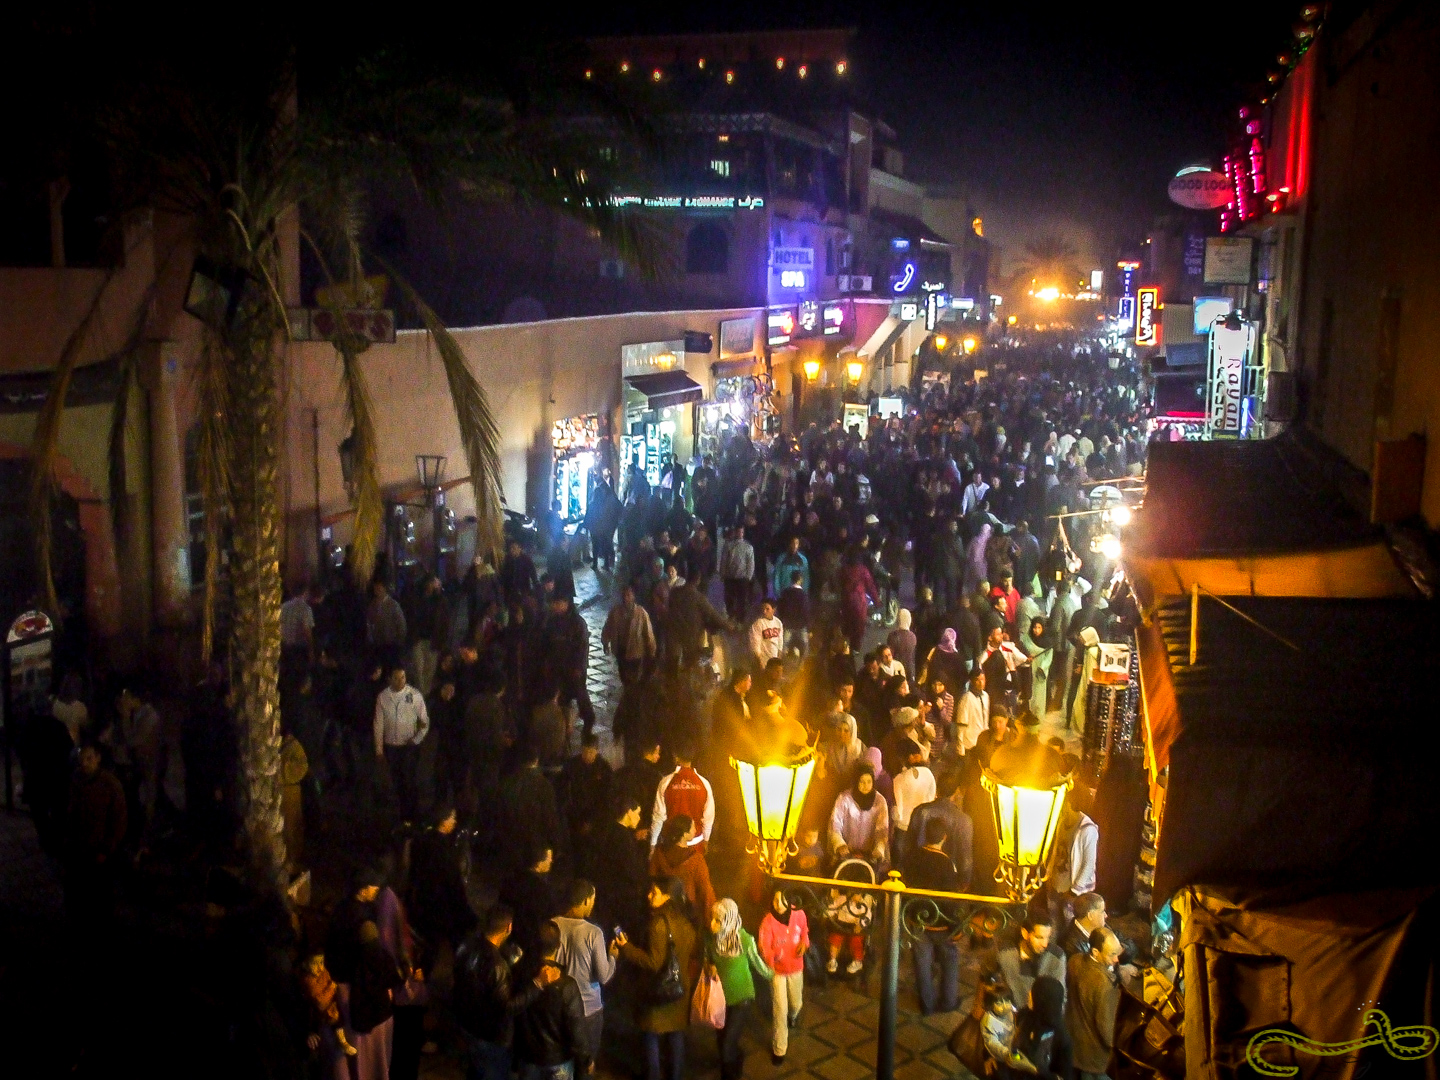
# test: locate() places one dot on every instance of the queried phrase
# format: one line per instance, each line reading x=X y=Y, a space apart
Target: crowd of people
x=441 y=756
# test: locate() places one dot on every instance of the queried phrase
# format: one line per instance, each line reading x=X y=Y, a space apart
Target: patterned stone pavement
x=836 y=1039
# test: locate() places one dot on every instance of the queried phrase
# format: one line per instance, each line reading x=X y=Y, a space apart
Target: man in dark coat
x=691 y=614
x=529 y=816
x=617 y=861
x=565 y=654
x=550 y=1032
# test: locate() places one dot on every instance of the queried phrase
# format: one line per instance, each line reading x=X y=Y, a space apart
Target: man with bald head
x=1092 y=997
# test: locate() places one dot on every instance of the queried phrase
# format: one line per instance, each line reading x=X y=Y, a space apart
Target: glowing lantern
x=773 y=796
x=1026 y=821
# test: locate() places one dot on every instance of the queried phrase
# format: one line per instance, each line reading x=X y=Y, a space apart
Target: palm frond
x=479 y=434
x=369 y=506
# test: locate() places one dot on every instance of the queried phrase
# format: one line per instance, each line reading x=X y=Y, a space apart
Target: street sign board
x=1227 y=260
x=1147 y=316
x=1200 y=189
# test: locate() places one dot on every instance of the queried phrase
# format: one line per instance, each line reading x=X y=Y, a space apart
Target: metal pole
x=1194 y=622
x=889 y=989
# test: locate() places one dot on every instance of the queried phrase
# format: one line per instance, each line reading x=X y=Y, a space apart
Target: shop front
x=576 y=444
x=659 y=421
x=742 y=398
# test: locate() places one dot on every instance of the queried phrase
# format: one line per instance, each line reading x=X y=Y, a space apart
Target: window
x=707 y=250
x=720 y=167
x=607 y=153
x=829 y=256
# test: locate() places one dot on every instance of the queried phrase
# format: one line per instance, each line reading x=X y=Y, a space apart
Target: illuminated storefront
x=658 y=421
x=741 y=401
x=576 y=446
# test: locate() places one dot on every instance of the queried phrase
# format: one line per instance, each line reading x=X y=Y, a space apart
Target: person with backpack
x=664 y=1012
x=731 y=955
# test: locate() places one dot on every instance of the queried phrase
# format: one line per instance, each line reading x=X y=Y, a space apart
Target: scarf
x=947 y=641
x=782 y=918
x=867 y=801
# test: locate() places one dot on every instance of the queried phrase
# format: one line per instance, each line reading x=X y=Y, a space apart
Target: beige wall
x=532 y=374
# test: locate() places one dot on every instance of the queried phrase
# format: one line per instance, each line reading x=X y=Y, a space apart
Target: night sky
x=1053 y=119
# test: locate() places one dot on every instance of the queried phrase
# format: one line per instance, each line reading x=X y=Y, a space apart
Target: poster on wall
x=737 y=338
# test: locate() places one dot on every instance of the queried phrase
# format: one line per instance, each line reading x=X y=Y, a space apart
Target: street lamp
x=773 y=796
x=431 y=468
x=812 y=369
x=854 y=369
x=1027 y=817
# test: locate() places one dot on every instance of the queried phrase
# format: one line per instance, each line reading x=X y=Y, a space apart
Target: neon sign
x=834 y=318
x=781 y=325
x=902 y=283
x=1147 y=324
x=792 y=279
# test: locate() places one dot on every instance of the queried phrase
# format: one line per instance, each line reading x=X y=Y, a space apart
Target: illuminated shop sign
x=1147 y=319
x=782 y=323
x=809 y=319
x=690 y=202
x=838 y=317
x=1126 y=314
x=902 y=281
x=909 y=311
x=793 y=266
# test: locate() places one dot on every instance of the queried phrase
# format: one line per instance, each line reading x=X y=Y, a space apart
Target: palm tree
x=1050 y=260
x=218 y=136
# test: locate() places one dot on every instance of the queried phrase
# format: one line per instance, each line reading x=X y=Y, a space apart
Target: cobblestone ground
x=836 y=1036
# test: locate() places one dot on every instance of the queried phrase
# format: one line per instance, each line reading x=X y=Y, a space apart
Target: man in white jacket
x=767 y=634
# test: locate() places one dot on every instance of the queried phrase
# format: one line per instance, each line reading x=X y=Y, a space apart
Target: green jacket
x=734 y=971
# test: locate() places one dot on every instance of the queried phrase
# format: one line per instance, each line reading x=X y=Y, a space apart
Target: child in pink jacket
x=784 y=938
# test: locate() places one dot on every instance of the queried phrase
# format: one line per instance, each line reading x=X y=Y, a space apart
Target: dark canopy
x=1309 y=771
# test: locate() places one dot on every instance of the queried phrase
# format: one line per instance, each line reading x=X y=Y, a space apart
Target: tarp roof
x=1253 y=517
x=1298 y=769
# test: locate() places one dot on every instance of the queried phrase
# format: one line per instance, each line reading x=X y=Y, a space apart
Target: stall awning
x=1295 y=742
x=885 y=335
x=664 y=389
x=1253 y=518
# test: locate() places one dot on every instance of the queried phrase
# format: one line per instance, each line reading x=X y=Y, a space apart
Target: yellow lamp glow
x=1048 y=294
x=941 y=342
x=970 y=342
x=1110 y=547
x=812 y=369
x=773 y=796
x=854 y=369
x=1026 y=821
x=1120 y=515
x=1012 y=320
x=665 y=360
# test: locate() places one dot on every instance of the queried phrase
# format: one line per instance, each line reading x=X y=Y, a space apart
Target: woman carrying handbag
x=730 y=956
x=664 y=1013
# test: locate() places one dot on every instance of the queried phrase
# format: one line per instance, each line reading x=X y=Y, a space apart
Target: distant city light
x=802 y=71
x=624 y=67
x=655 y=75
x=779 y=63
x=729 y=76
x=1049 y=294
x=841 y=67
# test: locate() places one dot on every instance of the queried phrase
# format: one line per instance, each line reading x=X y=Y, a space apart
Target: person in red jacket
x=684 y=791
x=784 y=938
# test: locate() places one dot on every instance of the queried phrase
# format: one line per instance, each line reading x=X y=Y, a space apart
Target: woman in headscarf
x=883 y=783
x=860 y=822
x=902 y=641
x=844 y=749
x=945 y=662
x=784 y=939
x=731 y=953
x=1040 y=1034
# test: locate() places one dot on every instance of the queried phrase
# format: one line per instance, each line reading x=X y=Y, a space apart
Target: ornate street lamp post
x=1027 y=819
